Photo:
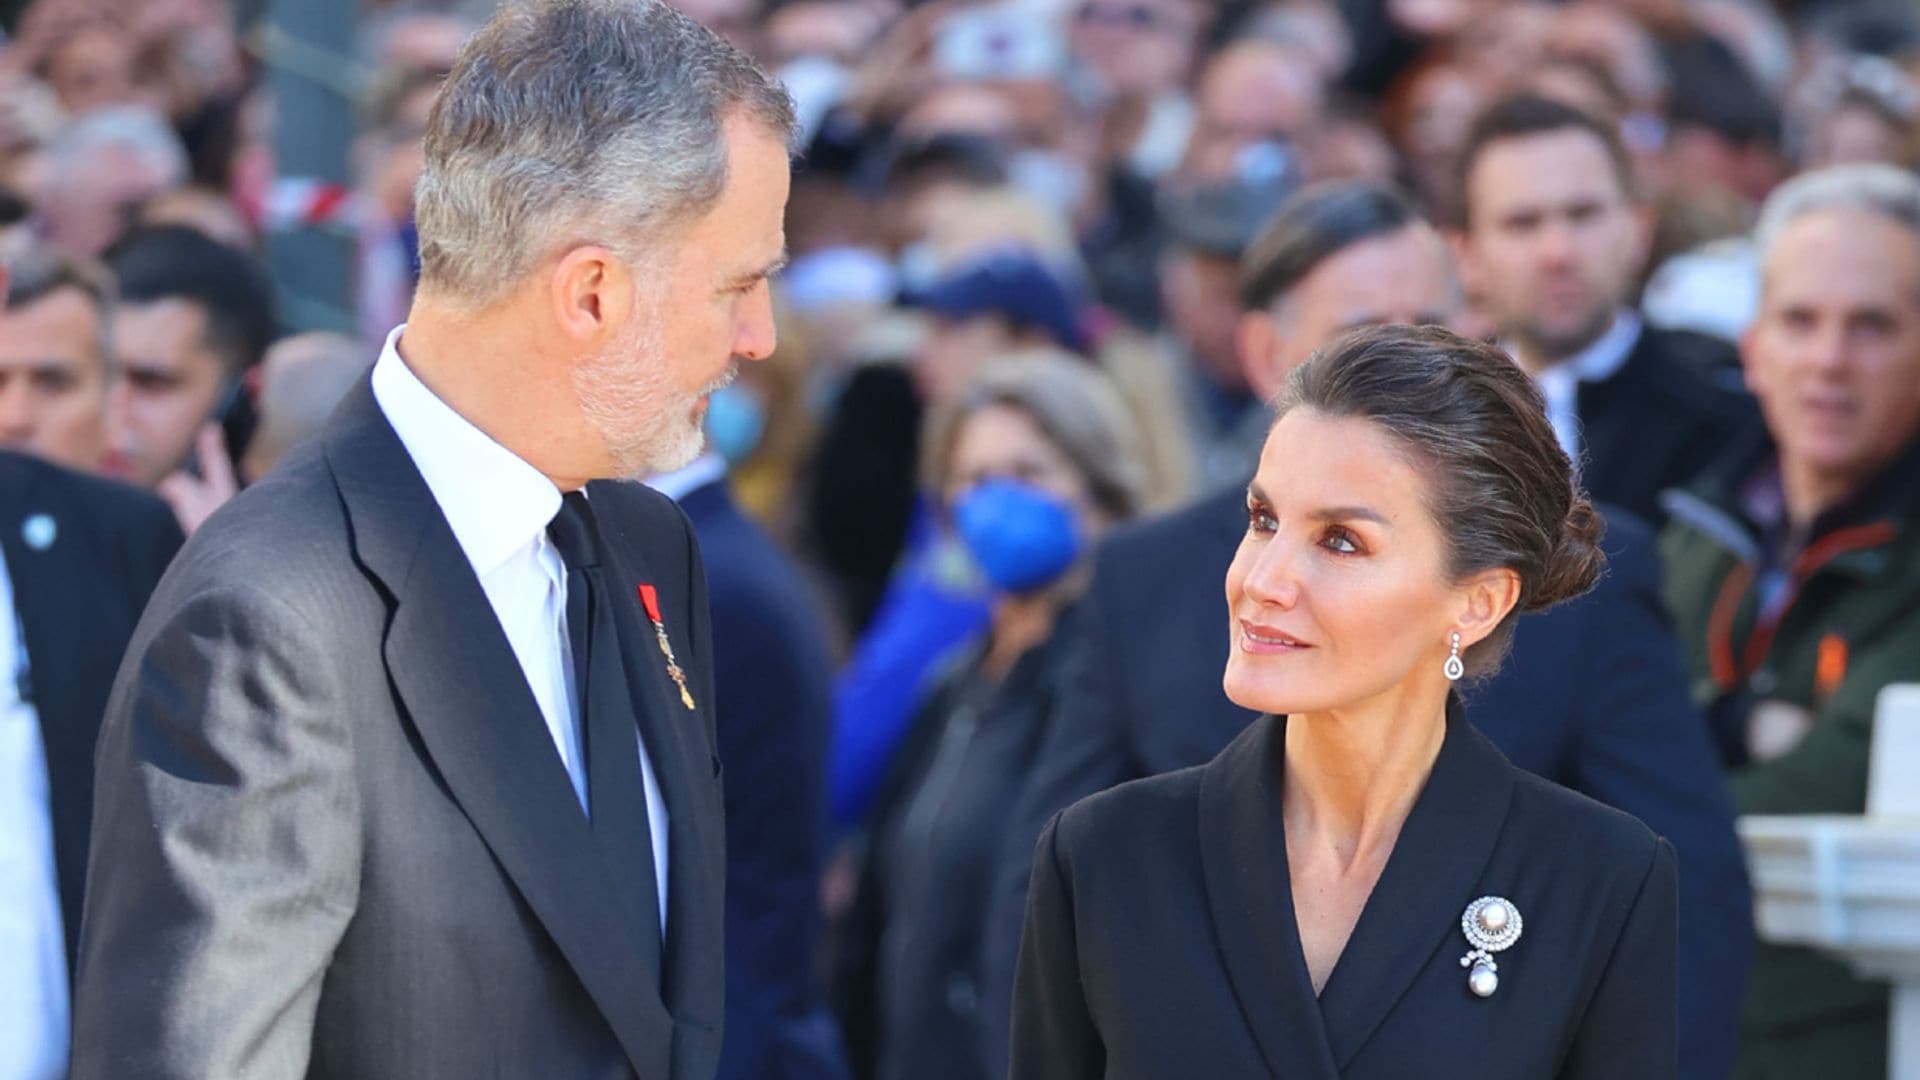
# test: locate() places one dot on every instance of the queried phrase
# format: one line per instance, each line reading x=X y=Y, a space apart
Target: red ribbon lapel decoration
x=650 y=599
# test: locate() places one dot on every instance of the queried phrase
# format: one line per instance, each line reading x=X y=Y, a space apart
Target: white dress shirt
x=1598 y=362
x=499 y=508
x=33 y=944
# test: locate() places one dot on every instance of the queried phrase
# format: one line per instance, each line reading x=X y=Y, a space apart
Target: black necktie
x=609 y=737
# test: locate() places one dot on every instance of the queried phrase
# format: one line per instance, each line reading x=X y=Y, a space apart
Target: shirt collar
x=1600 y=361
x=680 y=483
x=493 y=500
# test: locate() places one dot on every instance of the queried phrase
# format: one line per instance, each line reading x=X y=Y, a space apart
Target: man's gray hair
x=578 y=121
x=132 y=129
x=1885 y=190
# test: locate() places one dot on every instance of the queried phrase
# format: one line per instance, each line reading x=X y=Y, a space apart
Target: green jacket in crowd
x=1822 y=622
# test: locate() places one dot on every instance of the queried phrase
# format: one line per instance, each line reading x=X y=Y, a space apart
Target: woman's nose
x=1274 y=577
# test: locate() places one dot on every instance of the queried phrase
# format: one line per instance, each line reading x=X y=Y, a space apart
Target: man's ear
x=1256 y=341
x=590 y=291
x=1486 y=600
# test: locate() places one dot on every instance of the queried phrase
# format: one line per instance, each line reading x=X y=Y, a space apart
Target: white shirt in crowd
x=499 y=508
x=1598 y=362
x=33 y=948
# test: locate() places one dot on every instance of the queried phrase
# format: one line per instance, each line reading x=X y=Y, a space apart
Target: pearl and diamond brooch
x=1491 y=924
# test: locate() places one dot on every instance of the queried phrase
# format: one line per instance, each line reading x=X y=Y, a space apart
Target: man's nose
x=756 y=337
x=17 y=413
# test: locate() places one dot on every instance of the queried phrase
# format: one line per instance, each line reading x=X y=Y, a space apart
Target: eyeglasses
x=1134 y=16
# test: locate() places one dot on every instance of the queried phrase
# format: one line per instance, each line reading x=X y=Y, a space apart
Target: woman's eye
x=1341 y=541
x=1260 y=521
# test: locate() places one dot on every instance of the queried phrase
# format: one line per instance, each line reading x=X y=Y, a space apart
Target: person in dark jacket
x=1794 y=572
x=1551 y=241
x=1595 y=698
x=773 y=718
x=1033 y=461
x=79 y=557
x=1361 y=886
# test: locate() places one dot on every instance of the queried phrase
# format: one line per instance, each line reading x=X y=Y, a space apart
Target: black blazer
x=774 y=715
x=1660 y=422
x=332 y=836
x=77 y=598
x=1161 y=942
x=1593 y=697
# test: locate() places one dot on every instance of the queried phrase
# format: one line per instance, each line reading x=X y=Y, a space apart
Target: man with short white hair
x=1793 y=570
x=410 y=770
x=99 y=170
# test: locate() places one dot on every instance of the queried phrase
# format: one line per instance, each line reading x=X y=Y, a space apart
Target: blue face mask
x=1023 y=538
x=735 y=421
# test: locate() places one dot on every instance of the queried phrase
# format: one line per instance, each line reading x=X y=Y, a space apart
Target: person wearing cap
x=1000 y=302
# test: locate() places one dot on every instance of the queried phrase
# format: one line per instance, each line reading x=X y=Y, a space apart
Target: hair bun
x=1576 y=563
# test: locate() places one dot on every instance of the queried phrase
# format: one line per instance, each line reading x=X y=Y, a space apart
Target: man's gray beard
x=648 y=425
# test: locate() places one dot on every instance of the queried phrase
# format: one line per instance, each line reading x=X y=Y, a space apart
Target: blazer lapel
x=673 y=736
x=1428 y=882
x=463 y=692
x=1243 y=859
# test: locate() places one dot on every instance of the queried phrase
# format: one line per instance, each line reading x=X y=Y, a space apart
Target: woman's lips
x=1263 y=640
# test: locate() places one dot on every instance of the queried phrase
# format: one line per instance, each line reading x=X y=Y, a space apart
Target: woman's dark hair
x=1500 y=487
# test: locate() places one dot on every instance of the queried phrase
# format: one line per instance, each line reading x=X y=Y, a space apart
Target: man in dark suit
x=1593 y=696
x=1552 y=240
x=410 y=770
x=78 y=558
x=774 y=720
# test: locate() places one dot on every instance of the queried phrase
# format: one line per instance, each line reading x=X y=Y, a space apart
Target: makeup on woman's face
x=1338 y=592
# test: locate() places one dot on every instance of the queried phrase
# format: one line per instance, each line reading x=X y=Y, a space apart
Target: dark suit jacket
x=1161 y=940
x=774 y=715
x=77 y=600
x=332 y=834
x=1660 y=422
x=1593 y=697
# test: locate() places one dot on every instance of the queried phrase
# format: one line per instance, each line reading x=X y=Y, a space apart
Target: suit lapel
x=1243 y=858
x=673 y=736
x=463 y=691
x=1428 y=882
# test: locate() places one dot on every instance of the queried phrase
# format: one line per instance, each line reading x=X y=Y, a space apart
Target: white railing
x=1851 y=885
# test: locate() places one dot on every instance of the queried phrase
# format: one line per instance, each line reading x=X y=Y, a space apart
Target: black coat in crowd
x=1659 y=422
x=773 y=717
x=83 y=555
x=909 y=969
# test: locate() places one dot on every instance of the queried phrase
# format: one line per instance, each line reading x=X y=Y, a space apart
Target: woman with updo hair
x=1361 y=886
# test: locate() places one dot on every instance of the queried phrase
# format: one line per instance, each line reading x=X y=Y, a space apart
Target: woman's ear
x=1486 y=600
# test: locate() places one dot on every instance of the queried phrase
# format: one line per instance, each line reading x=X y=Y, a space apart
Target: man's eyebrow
x=778 y=264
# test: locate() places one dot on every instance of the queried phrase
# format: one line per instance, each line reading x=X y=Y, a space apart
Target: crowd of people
x=1049 y=265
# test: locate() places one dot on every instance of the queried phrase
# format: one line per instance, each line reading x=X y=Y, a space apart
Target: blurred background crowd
x=1049 y=261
